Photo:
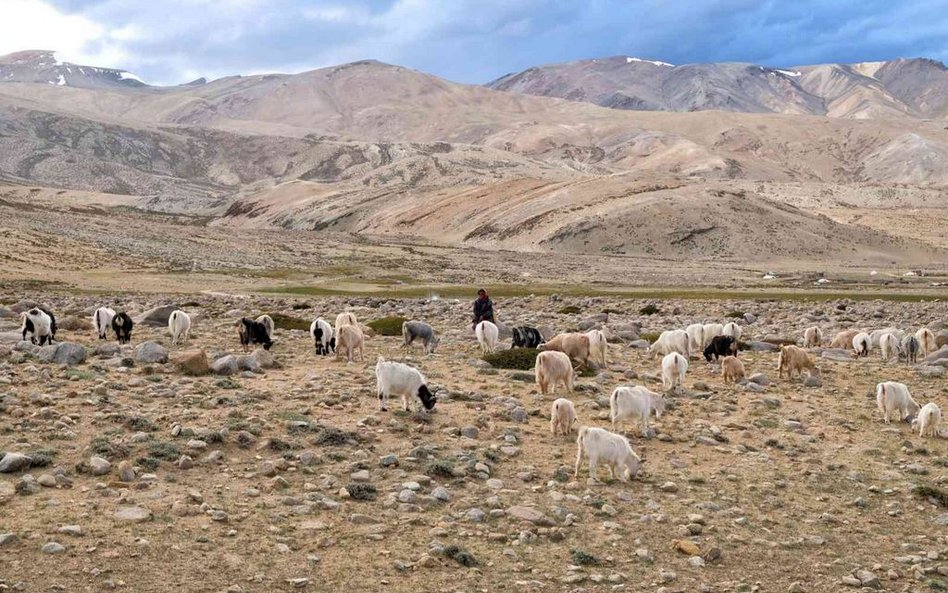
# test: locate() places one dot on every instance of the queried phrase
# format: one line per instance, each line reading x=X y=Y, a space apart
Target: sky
x=473 y=41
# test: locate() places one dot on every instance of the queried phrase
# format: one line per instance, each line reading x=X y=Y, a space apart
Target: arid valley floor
x=238 y=483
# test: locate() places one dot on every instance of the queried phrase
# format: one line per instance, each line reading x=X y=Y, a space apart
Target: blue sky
x=475 y=41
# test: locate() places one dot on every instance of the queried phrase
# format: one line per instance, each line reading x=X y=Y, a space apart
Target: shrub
x=584 y=558
x=330 y=435
x=521 y=359
x=926 y=492
x=289 y=322
x=649 y=309
x=149 y=463
x=650 y=337
x=388 y=326
x=362 y=491
x=570 y=310
x=734 y=314
x=166 y=451
x=441 y=468
x=42 y=457
x=104 y=447
x=460 y=555
x=300 y=306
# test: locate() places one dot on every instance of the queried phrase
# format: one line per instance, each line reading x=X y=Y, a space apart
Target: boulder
x=64 y=353
x=14 y=462
x=249 y=363
x=192 y=362
x=264 y=358
x=151 y=352
x=758 y=346
x=73 y=323
x=107 y=349
x=157 y=317
x=940 y=354
x=530 y=515
x=225 y=365
x=837 y=354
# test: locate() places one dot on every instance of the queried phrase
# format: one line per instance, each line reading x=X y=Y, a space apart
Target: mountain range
x=377 y=149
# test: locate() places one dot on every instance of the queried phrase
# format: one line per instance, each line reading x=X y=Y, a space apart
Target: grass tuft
x=924 y=491
x=388 y=326
x=649 y=309
x=570 y=310
x=460 y=555
x=362 y=491
x=584 y=558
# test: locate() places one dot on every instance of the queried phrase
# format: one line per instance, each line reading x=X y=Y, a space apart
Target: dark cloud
x=478 y=40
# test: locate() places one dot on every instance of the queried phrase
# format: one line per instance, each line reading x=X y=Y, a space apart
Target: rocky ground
x=139 y=476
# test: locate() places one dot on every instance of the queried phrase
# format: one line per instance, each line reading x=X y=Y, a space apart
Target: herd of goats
x=558 y=359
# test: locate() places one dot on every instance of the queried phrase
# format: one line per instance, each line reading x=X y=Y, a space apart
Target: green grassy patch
x=521 y=359
x=388 y=326
x=649 y=309
x=570 y=310
x=650 y=337
x=283 y=321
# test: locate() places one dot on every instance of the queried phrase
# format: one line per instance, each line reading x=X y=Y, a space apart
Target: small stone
x=668 y=487
x=126 y=471
x=7 y=539
x=53 y=548
x=132 y=514
x=388 y=461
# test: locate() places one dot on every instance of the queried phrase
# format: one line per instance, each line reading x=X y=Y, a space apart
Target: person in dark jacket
x=483 y=308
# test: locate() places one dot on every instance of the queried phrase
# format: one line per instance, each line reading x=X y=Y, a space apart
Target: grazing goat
x=40 y=324
x=598 y=347
x=734 y=330
x=910 y=348
x=812 y=337
x=267 y=322
x=179 y=324
x=574 y=345
x=674 y=367
x=397 y=379
x=720 y=346
x=927 y=421
x=526 y=337
x=862 y=343
x=889 y=347
x=553 y=367
x=875 y=336
x=419 y=330
x=711 y=330
x=253 y=332
x=926 y=341
x=794 y=359
x=102 y=321
x=844 y=339
x=894 y=397
x=675 y=340
x=695 y=333
x=347 y=318
x=487 y=336
x=122 y=325
x=562 y=417
x=349 y=339
x=600 y=444
x=733 y=369
x=324 y=338
x=635 y=403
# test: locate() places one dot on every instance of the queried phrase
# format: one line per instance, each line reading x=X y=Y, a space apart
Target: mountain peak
x=41 y=66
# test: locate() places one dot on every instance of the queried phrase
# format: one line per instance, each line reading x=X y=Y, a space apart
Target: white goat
x=179 y=324
x=102 y=321
x=553 y=367
x=562 y=416
x=889 y=347
x=812 y=337
x=675 y=340
x=635 y=403
x=927 y=421
x=895 y=397
x=600 y=444
x=734 y=330
x=397 y=379
x=695 y=333
x=674 y=367
x=487 y=336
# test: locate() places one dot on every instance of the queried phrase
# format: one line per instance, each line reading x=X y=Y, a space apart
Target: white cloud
x=34 y=24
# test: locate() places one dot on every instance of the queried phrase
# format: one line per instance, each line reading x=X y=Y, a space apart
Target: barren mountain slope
x=915 y=88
